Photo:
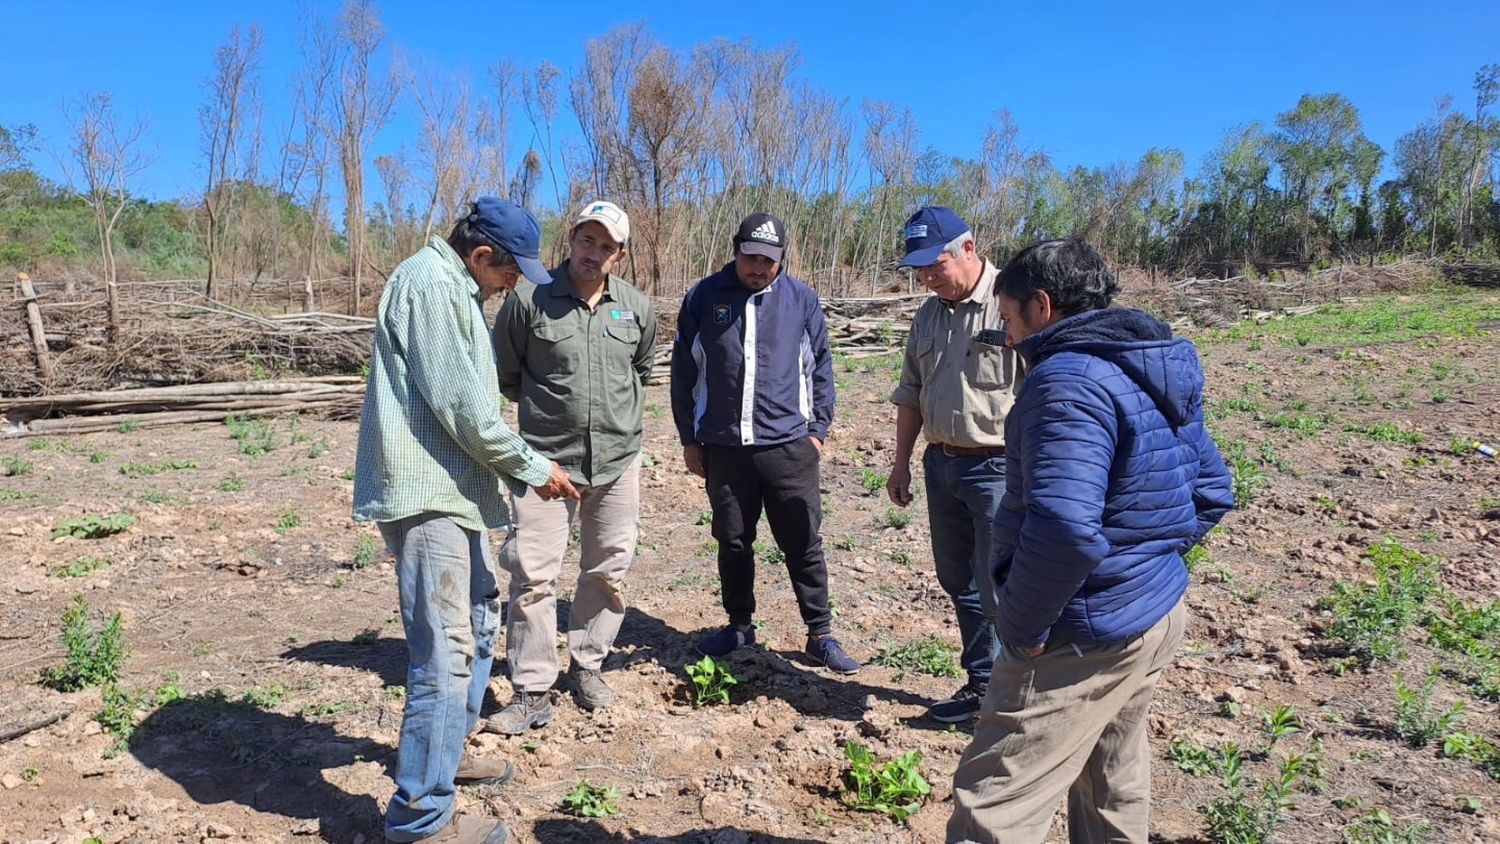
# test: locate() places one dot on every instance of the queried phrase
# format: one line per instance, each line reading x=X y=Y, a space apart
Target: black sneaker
x=961 y=707
x=725 y=641
x=826 y=651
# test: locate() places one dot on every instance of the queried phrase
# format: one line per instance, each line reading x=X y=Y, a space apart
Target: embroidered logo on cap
x=767 y=232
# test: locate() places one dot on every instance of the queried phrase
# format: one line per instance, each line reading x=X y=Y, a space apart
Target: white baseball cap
x=610 y=216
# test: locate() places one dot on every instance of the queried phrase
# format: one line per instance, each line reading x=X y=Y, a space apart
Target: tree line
x=689 y=141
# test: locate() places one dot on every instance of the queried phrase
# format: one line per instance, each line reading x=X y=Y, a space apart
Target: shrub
x=95 y=657
x=896 y=788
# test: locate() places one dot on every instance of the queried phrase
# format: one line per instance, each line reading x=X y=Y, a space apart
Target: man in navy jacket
x=752 y=396
x=1111 y=478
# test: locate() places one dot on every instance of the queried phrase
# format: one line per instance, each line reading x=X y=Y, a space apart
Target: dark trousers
x=963 y=498
x=782 y=479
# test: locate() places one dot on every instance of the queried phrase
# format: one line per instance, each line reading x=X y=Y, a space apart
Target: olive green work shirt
x=958 y=373
x=577 y=374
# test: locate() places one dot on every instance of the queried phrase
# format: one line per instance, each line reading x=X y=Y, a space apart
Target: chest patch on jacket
x=723 y=315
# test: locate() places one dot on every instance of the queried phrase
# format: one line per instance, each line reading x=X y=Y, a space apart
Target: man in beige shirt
x=956 y=387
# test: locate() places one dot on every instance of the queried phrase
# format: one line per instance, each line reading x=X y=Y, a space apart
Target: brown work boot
x=466 y=830
x=591 y=690
x=483 y=771
x=526 y=711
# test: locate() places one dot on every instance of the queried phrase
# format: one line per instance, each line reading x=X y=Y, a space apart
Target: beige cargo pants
x=1069 y=722
x=608 y=519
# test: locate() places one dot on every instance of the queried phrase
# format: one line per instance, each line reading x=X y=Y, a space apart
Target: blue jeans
x=963 y=496
x=450 y=607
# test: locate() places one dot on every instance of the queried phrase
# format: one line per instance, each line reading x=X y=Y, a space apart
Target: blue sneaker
x=730 y=638
x=826 y=650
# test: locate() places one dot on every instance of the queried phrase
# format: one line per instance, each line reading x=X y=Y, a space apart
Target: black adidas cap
x=761 y=234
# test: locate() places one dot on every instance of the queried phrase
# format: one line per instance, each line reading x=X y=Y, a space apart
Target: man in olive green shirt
x=432 y=451
x=575 y=356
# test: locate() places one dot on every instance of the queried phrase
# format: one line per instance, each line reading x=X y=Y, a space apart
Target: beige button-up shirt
x=958 y=373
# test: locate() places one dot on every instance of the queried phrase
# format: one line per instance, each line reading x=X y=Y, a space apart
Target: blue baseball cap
x=927 y=232
x=513 y=229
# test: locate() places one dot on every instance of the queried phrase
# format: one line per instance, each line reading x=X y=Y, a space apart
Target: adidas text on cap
x=513 y=229
x=761 y=234
x=927 y=232
x=609 y=215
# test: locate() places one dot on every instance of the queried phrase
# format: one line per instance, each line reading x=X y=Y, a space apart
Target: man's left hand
x=818 y=444
x=1033 y=653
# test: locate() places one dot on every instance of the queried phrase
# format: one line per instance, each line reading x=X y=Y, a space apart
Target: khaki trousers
x=1071 y=721
x=608 y=521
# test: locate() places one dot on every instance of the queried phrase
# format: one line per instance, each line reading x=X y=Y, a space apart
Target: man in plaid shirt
x=433 y=449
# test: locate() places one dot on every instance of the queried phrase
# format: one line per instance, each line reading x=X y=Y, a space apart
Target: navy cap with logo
x=513 y=229
x=761 y=234
x=927 y=232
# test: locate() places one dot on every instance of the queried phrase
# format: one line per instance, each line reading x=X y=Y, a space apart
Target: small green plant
x=896 y=788
x=1249 y=479
x=1475 y=748
x=118 y=717
x=1196 y=557
x=364 y=552
x=233 y=483
x=895 y=518
x=367 y=636
x=592 y=801
x=30 y=774
x=1370 y=621
x=146 y=470
x=317 y=449
x=169 y=692
x=931 y=656
x=95 y=657
x=1194 y=760
x=1385 y=432
x=324 y=710
x=1461 y=447
x=1279 y=723
x=129 y=426
x=289 y=521
x=1301 y=424
x=872 y=481
x=1379 y=828
x=1243 y=816
x=8 y=495
x=1230 y=709
x=266 y=698
x=253 y=434
x=97 y=457
x=16 y=467
x=1416 y=722
x=93 y=527
x=711 y=682
x=901 y=557
x=81 y=567
x=1471 y=805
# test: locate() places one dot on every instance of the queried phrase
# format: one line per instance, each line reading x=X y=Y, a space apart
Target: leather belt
x=961 y=451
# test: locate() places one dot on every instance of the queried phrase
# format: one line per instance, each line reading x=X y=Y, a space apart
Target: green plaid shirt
x=431 y=439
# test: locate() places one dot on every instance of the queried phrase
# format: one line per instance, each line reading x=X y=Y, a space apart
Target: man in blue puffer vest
x=1111 y=477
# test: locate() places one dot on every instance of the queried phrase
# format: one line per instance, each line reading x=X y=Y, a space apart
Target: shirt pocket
x=989 y=367
x=620 y=341
x=559 y=347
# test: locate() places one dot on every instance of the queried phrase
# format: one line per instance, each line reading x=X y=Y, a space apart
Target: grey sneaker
x=591 y=690
x=527 y=711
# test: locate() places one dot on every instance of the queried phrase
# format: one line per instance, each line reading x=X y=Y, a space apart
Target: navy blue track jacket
x=751 y=369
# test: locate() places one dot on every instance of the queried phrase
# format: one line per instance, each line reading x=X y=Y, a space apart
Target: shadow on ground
x=553 y=831
x=225 y=751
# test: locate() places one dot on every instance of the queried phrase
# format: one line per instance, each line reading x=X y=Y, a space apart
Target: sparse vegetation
x=592 y=801
x=95 y=657
x=93 y=527
x=930 y=655
x=1370 y=621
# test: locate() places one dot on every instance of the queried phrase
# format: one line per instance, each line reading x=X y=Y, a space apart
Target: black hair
x=1068 y=270
x=466 y=237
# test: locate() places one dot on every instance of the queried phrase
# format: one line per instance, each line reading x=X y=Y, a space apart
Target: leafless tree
x=227 y=123
x=362 y=102
x=107 y=155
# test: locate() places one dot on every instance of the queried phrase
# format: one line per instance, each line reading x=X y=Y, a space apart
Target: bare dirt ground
x=245 y=586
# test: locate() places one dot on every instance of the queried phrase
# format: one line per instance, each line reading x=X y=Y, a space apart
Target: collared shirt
x=431 y=438
x=578 y=373
x=958 y=373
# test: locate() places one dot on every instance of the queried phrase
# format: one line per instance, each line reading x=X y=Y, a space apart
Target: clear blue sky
x=1089 y=82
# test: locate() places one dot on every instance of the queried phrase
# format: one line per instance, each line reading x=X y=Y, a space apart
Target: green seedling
x=587 y=800
x=93 y=527
x=896 y=788
x=930 y=655
x=1416 y=722
x=94 y=657
x=711 y=682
